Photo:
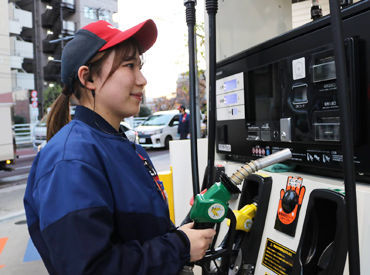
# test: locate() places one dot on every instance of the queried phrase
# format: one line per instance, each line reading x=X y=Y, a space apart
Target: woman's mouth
x=138 y=96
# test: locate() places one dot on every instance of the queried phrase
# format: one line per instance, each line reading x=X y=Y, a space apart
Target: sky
x=169 y=56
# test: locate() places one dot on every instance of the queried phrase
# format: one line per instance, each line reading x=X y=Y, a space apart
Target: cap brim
x=144 y=33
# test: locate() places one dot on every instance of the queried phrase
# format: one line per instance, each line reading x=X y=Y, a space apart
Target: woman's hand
x=200 y=240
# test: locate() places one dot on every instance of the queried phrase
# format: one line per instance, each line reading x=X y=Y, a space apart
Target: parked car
x=159 y=129
x=39 y=131
x=129 y=132
x=39 y=134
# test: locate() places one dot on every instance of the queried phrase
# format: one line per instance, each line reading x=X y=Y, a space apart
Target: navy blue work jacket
x=93 y=208
x=184 y=127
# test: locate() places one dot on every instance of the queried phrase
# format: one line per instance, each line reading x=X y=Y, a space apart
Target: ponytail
x=59 y=114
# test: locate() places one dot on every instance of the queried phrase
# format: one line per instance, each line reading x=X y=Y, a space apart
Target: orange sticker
x=2 y=245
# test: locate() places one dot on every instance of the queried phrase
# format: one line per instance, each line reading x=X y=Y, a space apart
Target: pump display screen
x=323 y=72
x=230 y=99
x=230 y=85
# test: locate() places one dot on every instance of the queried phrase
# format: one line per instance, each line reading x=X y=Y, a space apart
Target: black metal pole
x=346 y=137
x=211 y=7
x=61 y=25
x=190 y=21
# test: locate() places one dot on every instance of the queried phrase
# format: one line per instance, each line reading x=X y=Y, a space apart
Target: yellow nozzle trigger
x=244 y=217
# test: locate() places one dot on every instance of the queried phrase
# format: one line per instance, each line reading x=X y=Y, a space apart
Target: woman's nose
x=140 y=79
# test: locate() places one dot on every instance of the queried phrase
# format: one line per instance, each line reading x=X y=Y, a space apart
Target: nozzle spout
x=255 y=165
x=273 y=158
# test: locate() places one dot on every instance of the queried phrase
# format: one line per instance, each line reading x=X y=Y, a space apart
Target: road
x=17 y=253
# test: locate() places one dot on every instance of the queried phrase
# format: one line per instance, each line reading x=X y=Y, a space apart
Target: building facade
x=16 y=55
x=56 y=22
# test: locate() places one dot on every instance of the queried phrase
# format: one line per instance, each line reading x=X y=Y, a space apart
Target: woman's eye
x=133 y=65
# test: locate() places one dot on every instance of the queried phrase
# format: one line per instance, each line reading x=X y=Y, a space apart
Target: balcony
x=16 y=62
x=48 y=47
x=52 y=71
x=49 y=17
x=14 y=27
x=22 y=81
x=69 y=28
x=28 y=65
x=21 y=48
x=27 y=34
x=25 y=5
x=68 y=8
x=22 y=16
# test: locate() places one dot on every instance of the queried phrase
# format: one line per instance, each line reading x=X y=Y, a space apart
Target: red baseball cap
x=144 y=33
x=99 y=36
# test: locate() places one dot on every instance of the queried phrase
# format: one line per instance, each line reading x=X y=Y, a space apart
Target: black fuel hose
x=211 y=7
x=346 y=137
x=190 y=21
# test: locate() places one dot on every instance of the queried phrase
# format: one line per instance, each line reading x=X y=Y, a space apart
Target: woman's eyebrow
x=132 y=59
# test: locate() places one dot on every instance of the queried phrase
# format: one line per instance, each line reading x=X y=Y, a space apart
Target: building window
x=104 y=15
x=90 y=13
x=97 y=14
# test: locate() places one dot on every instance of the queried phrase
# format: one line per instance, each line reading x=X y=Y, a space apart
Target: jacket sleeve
x=77 y=225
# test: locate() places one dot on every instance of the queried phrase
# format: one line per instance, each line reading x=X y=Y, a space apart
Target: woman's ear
x=85 y=77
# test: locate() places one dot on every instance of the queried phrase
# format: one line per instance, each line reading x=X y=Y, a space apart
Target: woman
x=93 y=202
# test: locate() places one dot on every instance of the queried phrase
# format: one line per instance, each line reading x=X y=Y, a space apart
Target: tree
x=182 y=92
x=50 y=95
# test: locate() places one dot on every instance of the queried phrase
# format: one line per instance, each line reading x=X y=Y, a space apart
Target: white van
x=7 y=141
x=158 y=129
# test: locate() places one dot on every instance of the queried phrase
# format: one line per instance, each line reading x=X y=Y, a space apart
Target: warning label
x=278 y=258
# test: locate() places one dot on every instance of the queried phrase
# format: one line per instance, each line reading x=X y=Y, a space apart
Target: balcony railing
x=48 y=47
x=22 y=81
x=25 y=5
x=15 y=27
x=24 y=18
x=27 y=34
x=68 y=8
x=21 y=48
x=52 y=71
x=27 y=65
x=69 y=28
x=16 y=62
x=49 y=18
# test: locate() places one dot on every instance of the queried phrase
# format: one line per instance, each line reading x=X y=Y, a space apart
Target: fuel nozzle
x=255 y=165
x=244 y=217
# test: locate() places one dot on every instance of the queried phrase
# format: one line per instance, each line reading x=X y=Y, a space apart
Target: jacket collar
x=94 y=120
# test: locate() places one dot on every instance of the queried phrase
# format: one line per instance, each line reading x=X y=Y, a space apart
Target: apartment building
x=16 y=57
x=32 y=41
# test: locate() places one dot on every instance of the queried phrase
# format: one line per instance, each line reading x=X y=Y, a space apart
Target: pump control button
x=289 y=201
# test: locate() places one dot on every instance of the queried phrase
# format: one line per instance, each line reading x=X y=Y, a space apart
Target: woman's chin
x=132 y=112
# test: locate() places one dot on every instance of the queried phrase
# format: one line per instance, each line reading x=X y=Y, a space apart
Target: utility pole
x=61 y=26
x=38 y=70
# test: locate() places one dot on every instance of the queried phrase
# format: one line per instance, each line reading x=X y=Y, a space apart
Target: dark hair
x=59 y=114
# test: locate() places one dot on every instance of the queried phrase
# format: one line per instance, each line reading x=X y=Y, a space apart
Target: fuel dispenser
x=284 y=93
